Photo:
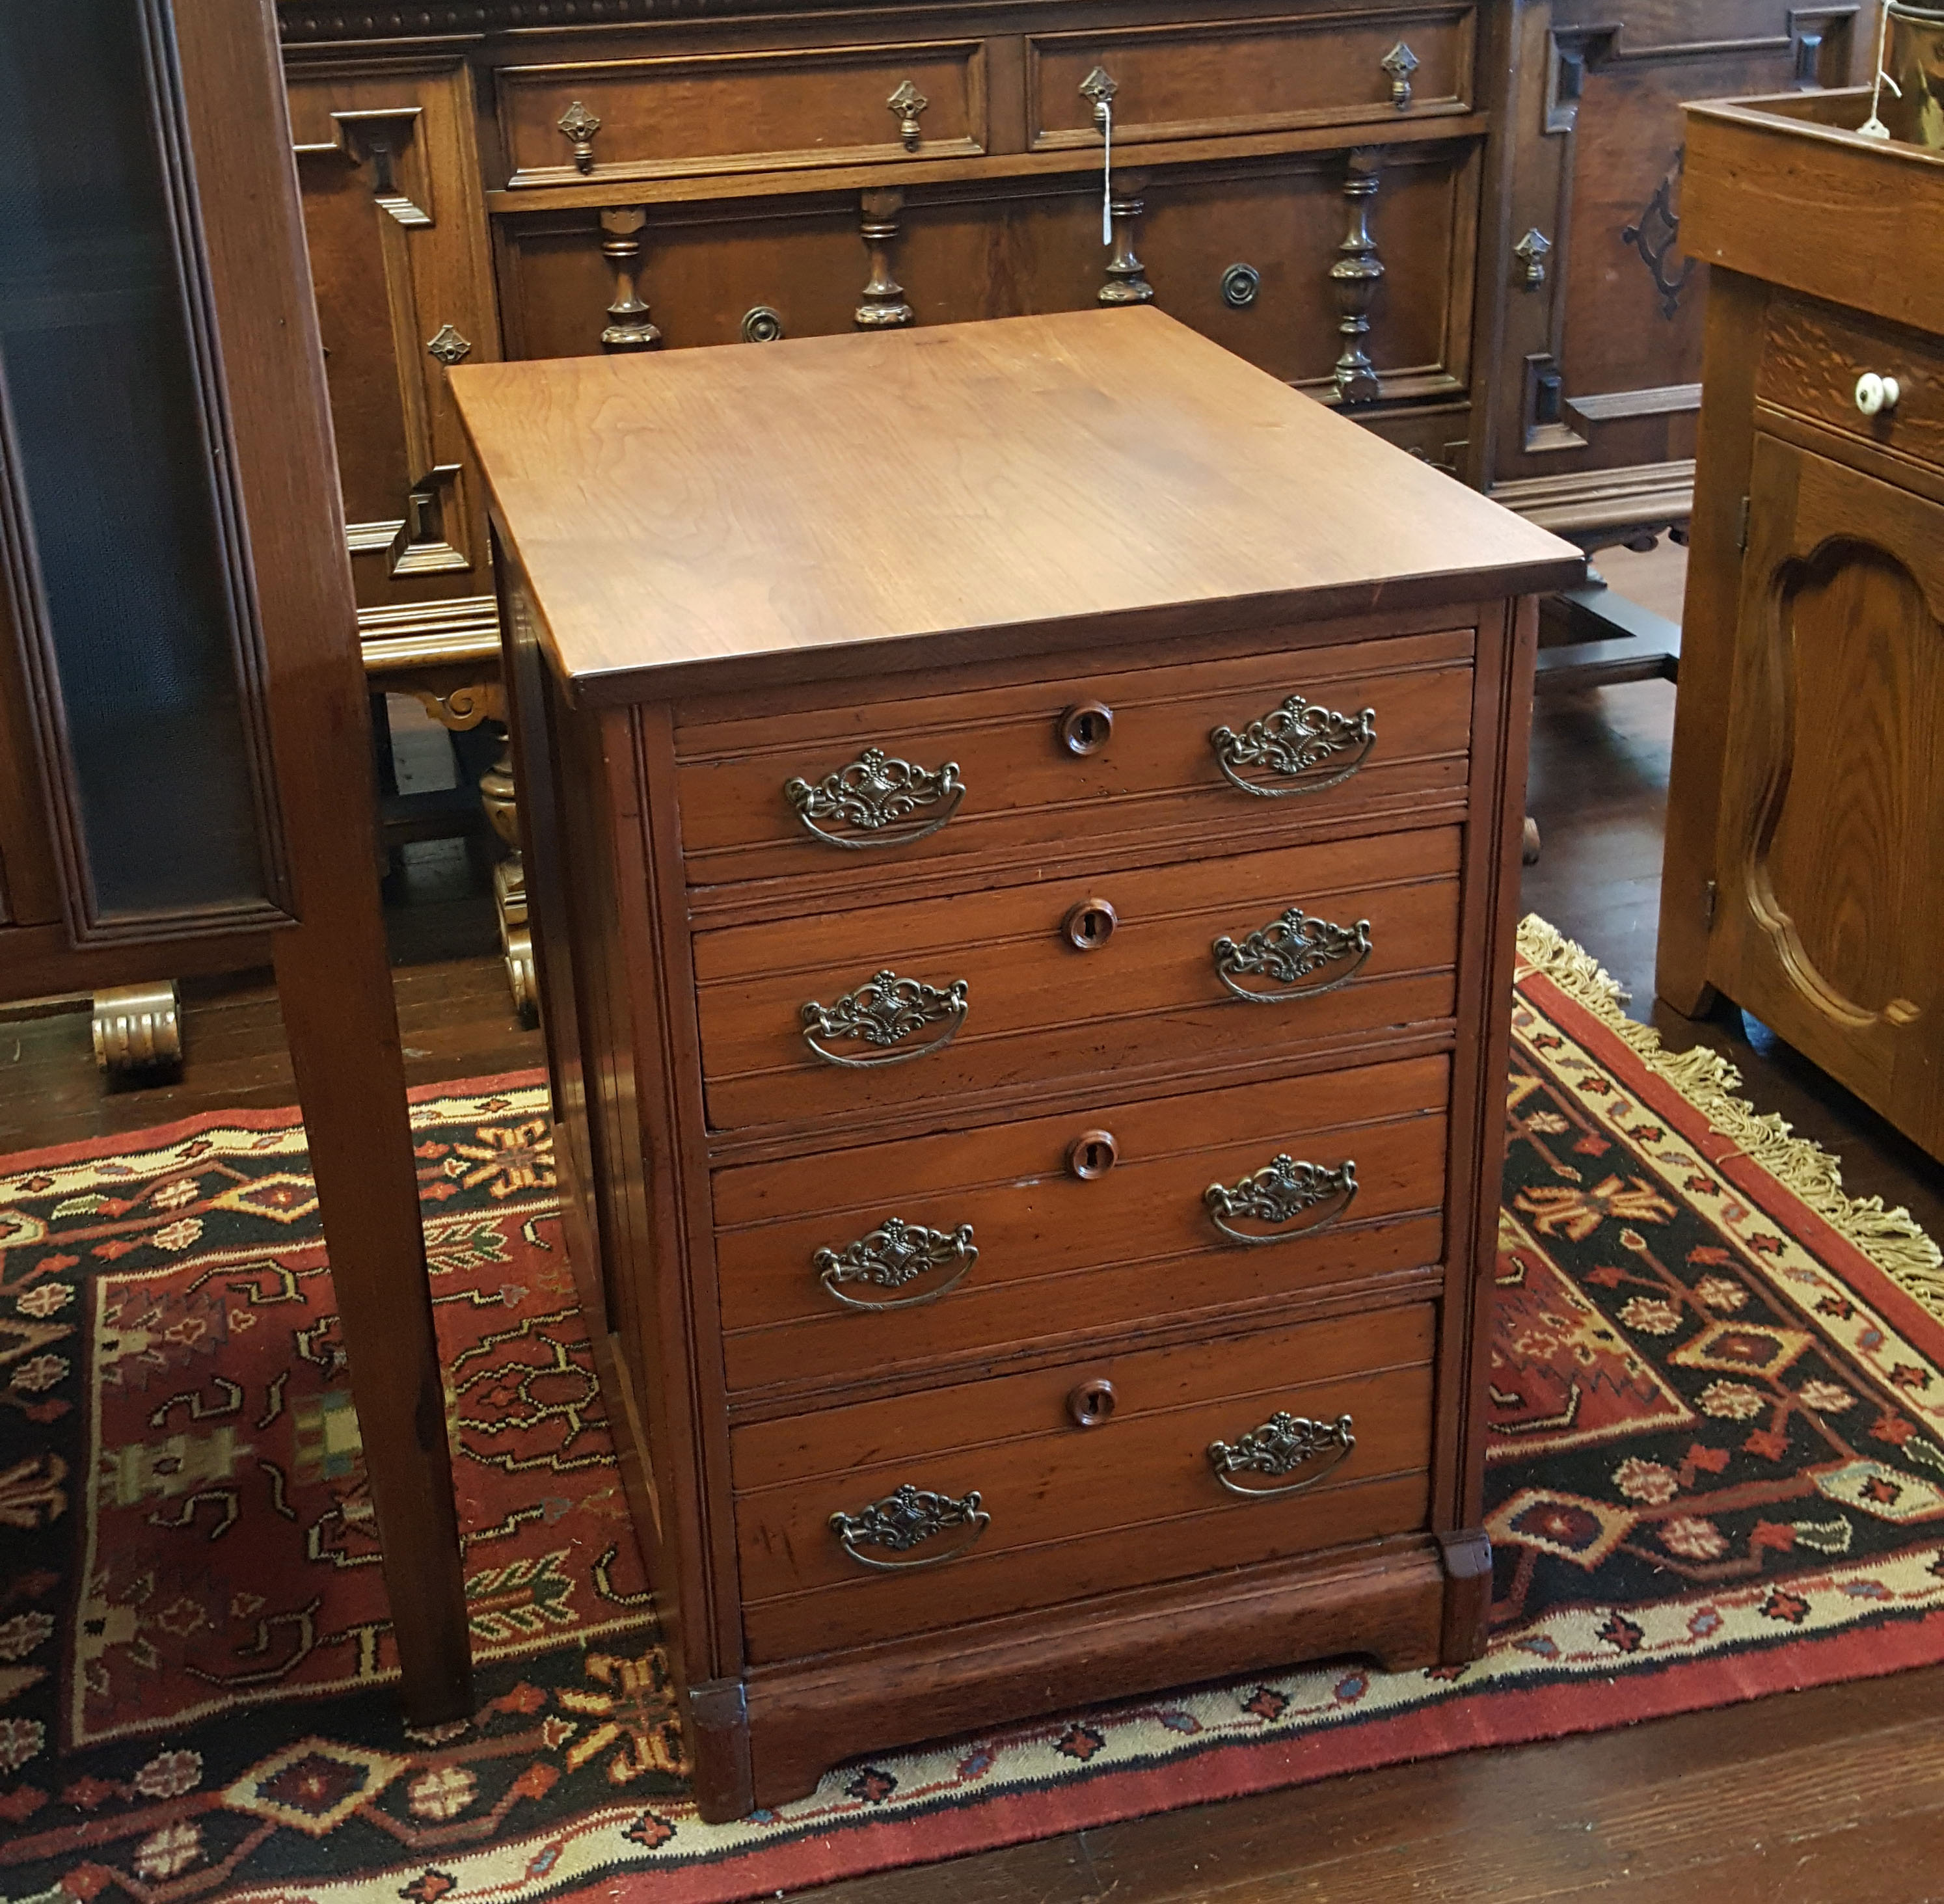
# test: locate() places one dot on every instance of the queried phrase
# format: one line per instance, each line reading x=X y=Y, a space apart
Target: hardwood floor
x=1803 y=1799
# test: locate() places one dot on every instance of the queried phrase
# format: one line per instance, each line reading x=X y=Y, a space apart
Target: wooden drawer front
x=1076 y=1511
x=1026 y=792
x=1252 y=75
x=1813 y=356
x=739 y=112
x=1051 y=1254
x=995 y=999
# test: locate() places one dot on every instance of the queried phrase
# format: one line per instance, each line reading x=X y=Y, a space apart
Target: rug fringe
x=1892 y=1239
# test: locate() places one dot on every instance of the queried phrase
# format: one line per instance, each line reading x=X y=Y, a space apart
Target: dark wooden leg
x=1467 y=1555
x=343 y=1028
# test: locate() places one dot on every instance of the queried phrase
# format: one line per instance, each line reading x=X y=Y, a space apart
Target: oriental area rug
x=1716 y=1472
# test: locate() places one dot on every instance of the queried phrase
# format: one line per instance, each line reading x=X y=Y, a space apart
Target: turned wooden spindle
x=628 y=325
x=1127 y=279
x=883 y=306
x=1355 y=276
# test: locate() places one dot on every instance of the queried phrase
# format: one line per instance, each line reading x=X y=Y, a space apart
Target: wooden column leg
x=1355 y=277
x=343 y=1028
x=1127 y=276
x=883 y=306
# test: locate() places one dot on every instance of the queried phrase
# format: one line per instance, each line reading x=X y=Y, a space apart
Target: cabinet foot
x=137 y=1028
x=516 y=937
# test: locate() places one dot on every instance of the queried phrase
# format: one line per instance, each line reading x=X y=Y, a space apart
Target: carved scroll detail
x=1289 y=952
x=1656 y=234
x=894 y=1254
x=1281 y=1446
x=906 y=1518
x=877 y=795
x=883 y=1013
x=1310 y=746
x=1280 y=1193
x=1355 y=277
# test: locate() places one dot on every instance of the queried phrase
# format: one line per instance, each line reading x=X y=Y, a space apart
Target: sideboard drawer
x=871 y=1259
x=861 y=789
x=1194 y=968
x=741 y=111
x=1199 y=81
x=1813 y=357
x=1146 y=1493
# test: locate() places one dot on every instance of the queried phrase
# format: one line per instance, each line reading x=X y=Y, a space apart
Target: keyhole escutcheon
x=1090 y=924
x=1092 y=1154
x=1091 y=1404
x=1087 y=727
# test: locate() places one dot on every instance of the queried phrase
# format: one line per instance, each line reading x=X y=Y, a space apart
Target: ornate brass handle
x=895 y=1254
x=879 y=797
x=1282 y=1444
x=1312 y=747
x=1289 y=953
x=1298 y=1198
x=578 y=126
x=907 y=103
x=1399 y=62
x=884 y=1011
x=904 y=1519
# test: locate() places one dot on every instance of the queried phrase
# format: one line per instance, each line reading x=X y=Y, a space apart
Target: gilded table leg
x=500 y=795
x=137 y=1028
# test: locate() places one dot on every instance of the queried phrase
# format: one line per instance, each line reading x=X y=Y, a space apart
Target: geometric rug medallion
x=1716 y=1471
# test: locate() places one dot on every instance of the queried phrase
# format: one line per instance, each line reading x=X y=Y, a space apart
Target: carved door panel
x=1599 y=373
x=395 y=219
x=1830 y=912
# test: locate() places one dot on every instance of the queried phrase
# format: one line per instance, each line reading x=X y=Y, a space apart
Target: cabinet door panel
x=1831 y=847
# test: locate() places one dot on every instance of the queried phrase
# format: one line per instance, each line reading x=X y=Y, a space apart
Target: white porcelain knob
x=1875 y=393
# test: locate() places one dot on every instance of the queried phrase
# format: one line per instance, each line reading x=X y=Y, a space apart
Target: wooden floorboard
x=1834 y=1794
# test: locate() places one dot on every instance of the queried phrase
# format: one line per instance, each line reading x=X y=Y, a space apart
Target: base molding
x=1416 y=1602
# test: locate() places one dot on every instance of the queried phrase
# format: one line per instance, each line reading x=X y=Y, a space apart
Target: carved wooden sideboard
x=1385 y=202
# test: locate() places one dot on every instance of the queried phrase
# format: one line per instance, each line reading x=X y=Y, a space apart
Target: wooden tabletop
x=961 y=490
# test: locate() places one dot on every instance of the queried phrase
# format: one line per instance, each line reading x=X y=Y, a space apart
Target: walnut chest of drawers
x=1025 y=819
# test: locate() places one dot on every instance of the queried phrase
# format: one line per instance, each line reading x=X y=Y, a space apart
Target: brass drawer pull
x=1291 y=953
x=1299 y=1198
x=1302 y=741
x=876 y=796
x=1282 y=1444
x=1399 y=62
x=895 y=1254
x=906 y=103
x=904 y=1519
x=884 y=1011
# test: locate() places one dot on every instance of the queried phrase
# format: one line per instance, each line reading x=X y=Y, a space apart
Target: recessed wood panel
x=1150 y=1000
x=1076 y=1511
x=1057 y=1253
x=1185 y=81
x=736 y=111
x=1028 y=794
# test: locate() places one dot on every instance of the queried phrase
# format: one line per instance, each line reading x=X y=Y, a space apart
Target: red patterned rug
x=1716 y=1472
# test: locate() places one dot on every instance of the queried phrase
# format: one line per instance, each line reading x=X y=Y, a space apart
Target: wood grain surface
x=1064 y=475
